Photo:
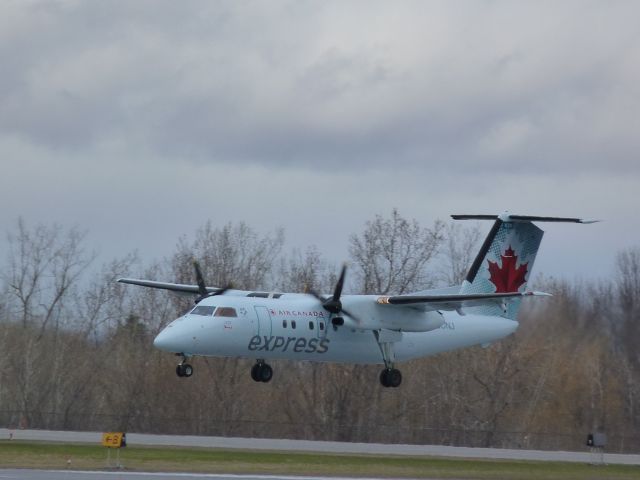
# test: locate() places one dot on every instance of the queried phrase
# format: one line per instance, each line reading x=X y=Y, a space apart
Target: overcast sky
x=141 y=120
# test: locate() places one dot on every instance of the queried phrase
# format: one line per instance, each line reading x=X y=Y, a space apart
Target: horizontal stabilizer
x=507 y=217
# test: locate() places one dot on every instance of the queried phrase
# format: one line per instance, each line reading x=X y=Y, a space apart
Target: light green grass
x=175 y=459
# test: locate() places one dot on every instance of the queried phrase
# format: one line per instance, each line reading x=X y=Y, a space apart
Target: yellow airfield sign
x=113 y=439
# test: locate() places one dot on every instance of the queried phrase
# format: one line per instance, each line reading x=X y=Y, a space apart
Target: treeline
x=77 y=347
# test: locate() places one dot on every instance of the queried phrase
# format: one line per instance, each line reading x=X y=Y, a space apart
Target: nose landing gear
x=261 y=372
x=184 y=369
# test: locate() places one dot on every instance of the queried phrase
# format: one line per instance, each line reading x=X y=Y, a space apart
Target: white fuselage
x=296 y=327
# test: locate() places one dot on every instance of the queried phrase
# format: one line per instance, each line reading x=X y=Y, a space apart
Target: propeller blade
x=202 y=287
x=222 y=290
x=338 y=290
x=333 y=304
x=313 y=293
x=356 y=319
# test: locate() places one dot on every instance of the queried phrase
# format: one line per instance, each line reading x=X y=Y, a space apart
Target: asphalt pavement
x=317 y=446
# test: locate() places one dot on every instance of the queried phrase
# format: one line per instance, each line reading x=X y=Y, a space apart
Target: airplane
x=363 y=329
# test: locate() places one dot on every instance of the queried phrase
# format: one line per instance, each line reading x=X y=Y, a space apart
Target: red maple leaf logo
x=507 y=278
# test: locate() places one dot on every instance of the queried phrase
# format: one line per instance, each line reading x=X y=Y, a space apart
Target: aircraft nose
x=164 y=340
x=511 y=326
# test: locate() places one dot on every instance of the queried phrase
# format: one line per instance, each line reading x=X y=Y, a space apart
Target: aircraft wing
x=174 y=287
x=455 y=301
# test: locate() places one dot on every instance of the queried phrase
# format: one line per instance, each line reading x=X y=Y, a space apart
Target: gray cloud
x=334 y=83
x=425 y=106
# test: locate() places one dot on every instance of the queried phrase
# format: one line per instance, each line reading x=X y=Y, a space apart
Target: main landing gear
x=390 y=376
x=261 y=372
x=184 y=369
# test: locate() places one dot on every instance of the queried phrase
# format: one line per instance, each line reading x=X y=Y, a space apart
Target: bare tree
x=460 y=245
x=392 y=254
x=301 y=272
x=103 y=302
x=233 y=254
x=44 y=264
x=628 y=289
x=78 y=354
x=627 y=328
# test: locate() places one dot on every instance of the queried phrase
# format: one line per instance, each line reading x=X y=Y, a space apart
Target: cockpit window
x=204 y=310
x=226 y=312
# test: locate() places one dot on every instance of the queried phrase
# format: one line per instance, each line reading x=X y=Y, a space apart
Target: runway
x=318 y=446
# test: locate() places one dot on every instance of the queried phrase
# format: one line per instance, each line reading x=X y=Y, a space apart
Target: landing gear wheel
x=184 y=370
x=254 y=372
x=266 y=373
x=261 y=372
x=390 y=377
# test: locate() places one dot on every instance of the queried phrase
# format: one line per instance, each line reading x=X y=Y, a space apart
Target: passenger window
x=204 y=310
x=284 y=323
x=293 y=324
x=310 y=325
x=226 y=312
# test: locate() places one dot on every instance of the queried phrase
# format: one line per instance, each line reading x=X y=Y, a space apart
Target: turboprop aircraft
x=364 y=329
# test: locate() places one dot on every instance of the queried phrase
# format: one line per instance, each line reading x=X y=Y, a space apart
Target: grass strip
x=18 y=454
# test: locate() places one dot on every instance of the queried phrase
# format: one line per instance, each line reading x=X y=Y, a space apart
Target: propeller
x=202 y=287
x=333 y=304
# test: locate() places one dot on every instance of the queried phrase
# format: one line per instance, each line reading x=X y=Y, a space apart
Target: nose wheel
x=184 y=369
x=261 y=372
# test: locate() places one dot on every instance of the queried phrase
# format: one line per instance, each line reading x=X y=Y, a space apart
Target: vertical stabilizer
x=504 y=263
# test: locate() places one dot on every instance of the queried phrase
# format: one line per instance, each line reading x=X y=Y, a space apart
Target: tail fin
x=505 y=260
